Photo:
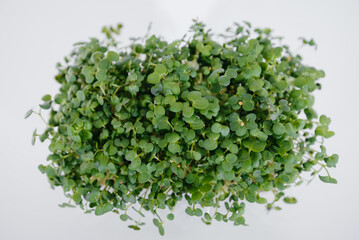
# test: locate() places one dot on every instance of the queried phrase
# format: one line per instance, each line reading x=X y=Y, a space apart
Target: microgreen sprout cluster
x=209 y=121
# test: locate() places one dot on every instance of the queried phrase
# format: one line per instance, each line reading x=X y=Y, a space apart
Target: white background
x=35 y=35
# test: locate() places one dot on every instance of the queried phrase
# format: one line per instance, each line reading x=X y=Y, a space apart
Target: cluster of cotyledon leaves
x=212 y=123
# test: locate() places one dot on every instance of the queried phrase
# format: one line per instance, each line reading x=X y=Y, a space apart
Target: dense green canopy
x=210 y=121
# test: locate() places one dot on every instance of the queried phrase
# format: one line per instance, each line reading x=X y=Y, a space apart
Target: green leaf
x=112 y=56
x=227 y=166
x=189 y=211
x=290 y=200
x=232 y=158
x=154 y=78
x=88 y=72
x=231 y=73
x=107 y=207
x=300 y=103
x=169 y=99
x=332 y=160
x=187 y=111
x=196 y=196
x=278 y=129
x=198 y=212
x=248 y=105
x=201 y=103
x=130 y=155
x=174 y=148
x=28 y=113
x=101 y=75
x=261 y=200
x=160 y=69
x=159 y=111
x=247 y=165
x=323 y=131
x=42 y=168
x=176 y=107
x=34 y=134
x=224 y=80
x=233 y=148
x=63 y=205
x=194 y=95
x=99 y=211
x=328 y=179
x=161 y=197
x=170 y=216
x=80 y=95
x=143 y=177
x=46 y=98
x=196 y=155
x=173 y=87
x=161 y=230
x=134 y=227
x=255 y=70
x=210 y=144
x=216 y=128
x=50 y=172
x=124 y=217
x=254 y=145
x=77 y=197
x=205 y=188
x=207 y=217
x=324 y=120
x=205 y=50
x=148 y=147
x=135 y=163
x=172 y=137
x=225 y=131
x=46 y=105
x=300 y=81
x=104 y=64
x=228 y=175
x=156 y=222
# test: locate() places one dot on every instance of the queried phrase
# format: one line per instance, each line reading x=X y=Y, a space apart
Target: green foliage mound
x=215 y=123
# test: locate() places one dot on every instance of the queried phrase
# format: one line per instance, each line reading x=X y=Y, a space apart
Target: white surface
x=34 y=35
